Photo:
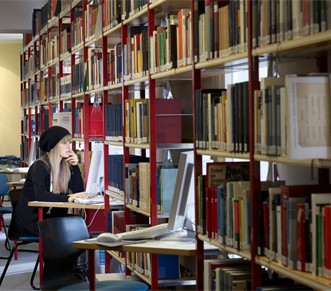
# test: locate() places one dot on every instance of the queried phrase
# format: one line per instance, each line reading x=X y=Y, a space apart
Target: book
x=270 y=114
x=303 y=244
x=211 y=265
x=308 y=123
x=220 y=173
x=166 y=179
x=317 y=200
x=290 y=197
x=327 y=241
x=274 y=201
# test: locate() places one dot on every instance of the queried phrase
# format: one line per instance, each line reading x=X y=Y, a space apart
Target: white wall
x=16 y=15
x=10 y=101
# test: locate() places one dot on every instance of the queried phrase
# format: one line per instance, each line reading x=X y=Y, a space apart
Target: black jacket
x=37 y=187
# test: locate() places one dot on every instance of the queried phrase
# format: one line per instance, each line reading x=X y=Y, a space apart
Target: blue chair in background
x=4 y=189
x=19 y=240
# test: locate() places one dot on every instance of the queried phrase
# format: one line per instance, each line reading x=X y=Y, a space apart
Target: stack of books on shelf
x=291 y=117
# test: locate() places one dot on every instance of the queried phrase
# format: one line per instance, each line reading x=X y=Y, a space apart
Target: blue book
x=168 y=267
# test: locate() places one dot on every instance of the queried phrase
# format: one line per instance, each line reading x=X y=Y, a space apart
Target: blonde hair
x=60 y=169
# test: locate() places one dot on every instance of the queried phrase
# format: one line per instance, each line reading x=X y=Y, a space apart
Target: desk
x=41 y=204
x=169 y=247
x=15 y=171
x=14 y=185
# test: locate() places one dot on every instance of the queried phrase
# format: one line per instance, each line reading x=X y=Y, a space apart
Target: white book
x=309 y=135
x=283 y=121
x=274 y=198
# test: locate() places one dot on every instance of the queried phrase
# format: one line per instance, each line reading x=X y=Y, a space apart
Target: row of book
x=93 y=21
x=114 y=122
x=276 y=21
x=135 y=53
x=114 y=65
x=233 y=273
x=291 y=116
x=95 y=121
x=77 y=24
x=222 y=118
x=296 y=231
x=227 y=274
x=168 y=265
x=137 y=185
x=221 y=27
x=295 y=220
x=94 y=69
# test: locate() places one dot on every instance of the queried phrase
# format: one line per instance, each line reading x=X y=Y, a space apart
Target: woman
x=51 y=178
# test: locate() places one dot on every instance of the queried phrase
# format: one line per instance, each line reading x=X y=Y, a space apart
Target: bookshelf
x=101 y=60
x=90 y=59
x=297 y=51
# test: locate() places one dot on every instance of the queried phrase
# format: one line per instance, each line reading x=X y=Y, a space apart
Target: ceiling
x=16 y=15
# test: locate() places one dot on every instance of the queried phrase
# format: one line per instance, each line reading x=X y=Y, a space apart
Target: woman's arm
x=76 y=183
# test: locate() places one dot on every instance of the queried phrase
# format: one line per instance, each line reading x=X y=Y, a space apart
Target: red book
x=168 y=121
x=215 y=216
x=301 y=237
x=327 y=240
x=95 y=121
x=209 y=214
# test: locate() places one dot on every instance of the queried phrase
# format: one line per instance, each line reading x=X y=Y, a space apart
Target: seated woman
x=54 y=177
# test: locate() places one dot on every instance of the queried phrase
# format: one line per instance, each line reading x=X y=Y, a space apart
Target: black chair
x=57 y=235
x=19 y=240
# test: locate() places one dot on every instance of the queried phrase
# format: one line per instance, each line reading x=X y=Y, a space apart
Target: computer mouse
x=108 y=237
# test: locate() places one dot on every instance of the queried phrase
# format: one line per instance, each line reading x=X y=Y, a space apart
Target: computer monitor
x=183 y=206
x=95 y=179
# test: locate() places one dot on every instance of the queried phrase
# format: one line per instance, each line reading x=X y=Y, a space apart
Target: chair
x=19 y=240
x=57 y=235
x=4 y=209
x=4 y=189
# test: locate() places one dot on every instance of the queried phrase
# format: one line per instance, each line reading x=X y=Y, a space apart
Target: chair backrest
x=3 y=185
x=57 y=235
x=14 y=196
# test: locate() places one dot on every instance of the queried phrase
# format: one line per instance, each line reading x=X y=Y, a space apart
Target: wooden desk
x=41 y=205
x=178 y=248
x=15 y=171
x=170 y=247
x=14 y=185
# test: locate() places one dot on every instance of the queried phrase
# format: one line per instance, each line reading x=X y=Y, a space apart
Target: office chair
x=19 y=240
x=57 y=235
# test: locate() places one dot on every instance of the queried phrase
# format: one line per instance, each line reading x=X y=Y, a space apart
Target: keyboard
x=91 y=200
x=146 y=233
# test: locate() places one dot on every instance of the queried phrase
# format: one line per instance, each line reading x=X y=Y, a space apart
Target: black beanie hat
x=51 y=136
